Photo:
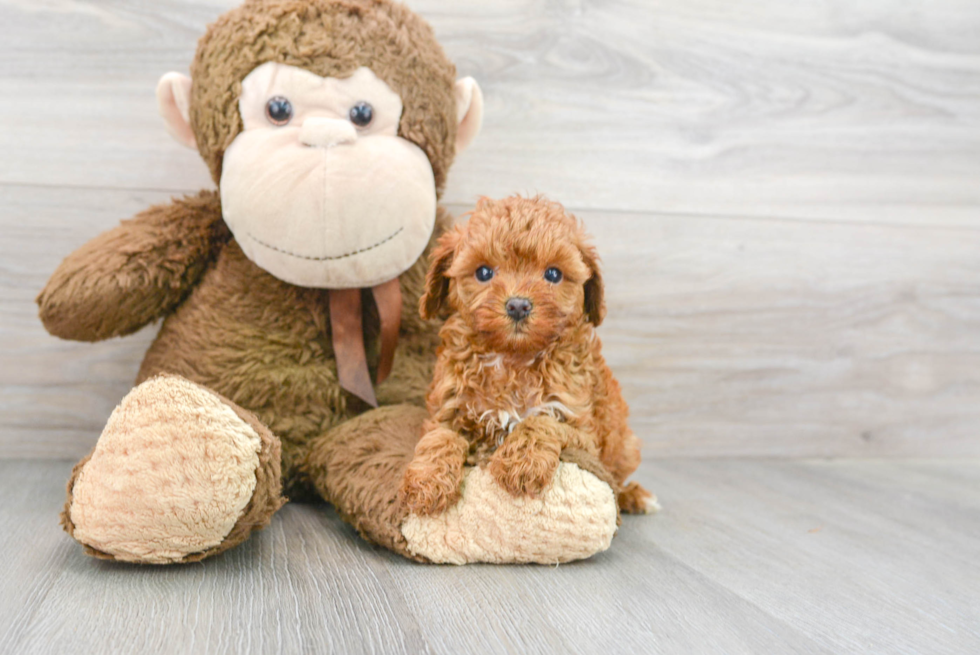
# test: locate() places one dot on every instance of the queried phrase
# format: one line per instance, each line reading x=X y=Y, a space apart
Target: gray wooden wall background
x=786 y=195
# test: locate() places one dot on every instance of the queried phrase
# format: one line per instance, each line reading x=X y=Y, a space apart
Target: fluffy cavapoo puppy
x=520 y=375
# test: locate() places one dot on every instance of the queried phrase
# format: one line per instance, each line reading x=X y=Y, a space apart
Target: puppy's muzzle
x=518 y=308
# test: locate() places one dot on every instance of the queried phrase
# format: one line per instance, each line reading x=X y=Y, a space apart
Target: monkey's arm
x=135 y=273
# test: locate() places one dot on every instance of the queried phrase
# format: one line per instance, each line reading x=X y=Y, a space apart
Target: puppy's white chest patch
x=503 y=421
x=519 y=398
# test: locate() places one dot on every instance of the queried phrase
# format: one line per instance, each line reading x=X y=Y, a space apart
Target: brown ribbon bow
x=347 y=332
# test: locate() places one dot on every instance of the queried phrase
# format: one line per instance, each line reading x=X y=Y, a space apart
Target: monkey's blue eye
x=553 y=275
x=484 y=273
x=279 y=110
x=361 y=114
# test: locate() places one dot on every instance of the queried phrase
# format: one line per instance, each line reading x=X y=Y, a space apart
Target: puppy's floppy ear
x=595 y=293
x=436 y=281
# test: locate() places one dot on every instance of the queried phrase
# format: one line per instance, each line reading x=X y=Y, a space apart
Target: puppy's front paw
x=524 y=465
x=426 y=493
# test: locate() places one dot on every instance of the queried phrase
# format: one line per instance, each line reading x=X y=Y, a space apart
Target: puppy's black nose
x=518 y=308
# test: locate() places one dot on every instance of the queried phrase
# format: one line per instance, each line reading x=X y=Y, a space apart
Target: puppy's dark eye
x=361 y=114
x=484 y=273
x=279 y=110
x=553 y=275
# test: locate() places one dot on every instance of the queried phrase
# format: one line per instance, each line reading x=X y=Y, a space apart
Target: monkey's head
x=329 y=126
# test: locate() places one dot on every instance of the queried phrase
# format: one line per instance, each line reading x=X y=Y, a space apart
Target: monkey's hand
x=135 y=273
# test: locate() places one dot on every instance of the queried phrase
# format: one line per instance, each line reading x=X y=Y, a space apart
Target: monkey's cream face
x=318 y=188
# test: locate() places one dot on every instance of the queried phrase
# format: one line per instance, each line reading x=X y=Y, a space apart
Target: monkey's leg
x=179 y=474
x=359 y=465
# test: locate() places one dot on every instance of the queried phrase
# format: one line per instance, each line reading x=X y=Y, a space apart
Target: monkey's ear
x=436 y=281
x=595 y=291
x=469 y=112
x=174 y=102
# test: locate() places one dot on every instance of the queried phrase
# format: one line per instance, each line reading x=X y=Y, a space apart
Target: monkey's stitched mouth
x=330 y=257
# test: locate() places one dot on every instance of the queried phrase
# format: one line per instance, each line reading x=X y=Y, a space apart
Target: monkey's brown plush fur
x=329 y=38
x=244 y=340
x=229 y=326
x=513 y=392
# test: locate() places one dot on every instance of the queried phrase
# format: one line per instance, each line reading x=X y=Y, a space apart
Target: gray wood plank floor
x=748 y=556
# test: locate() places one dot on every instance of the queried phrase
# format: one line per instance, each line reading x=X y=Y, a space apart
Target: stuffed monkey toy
x=292 y=360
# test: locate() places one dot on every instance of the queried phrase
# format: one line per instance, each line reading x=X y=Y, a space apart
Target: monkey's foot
x=179 y=474
x=359 y=465
x=574 y=518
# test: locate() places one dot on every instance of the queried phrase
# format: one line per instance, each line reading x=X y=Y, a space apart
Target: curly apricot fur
x=513 y=395
x=431 y=481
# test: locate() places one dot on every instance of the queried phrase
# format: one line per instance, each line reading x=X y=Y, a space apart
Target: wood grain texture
x=816 y=109
x=851 y=329
x=748 y=556
x=731 y=336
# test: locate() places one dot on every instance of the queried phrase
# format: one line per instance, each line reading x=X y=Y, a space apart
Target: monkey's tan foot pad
x=573 y=519
x=178 y=474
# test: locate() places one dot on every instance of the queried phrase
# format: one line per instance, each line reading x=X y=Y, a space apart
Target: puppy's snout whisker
x=518 y=308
